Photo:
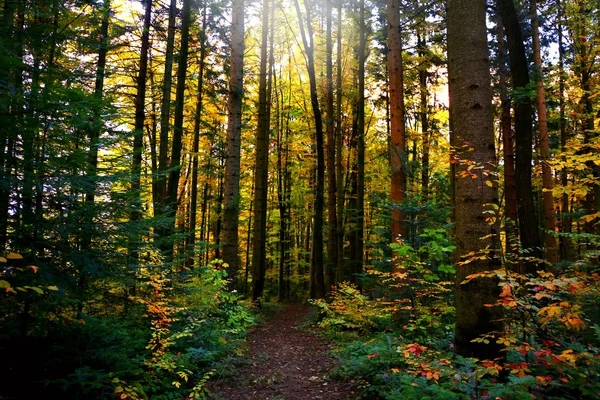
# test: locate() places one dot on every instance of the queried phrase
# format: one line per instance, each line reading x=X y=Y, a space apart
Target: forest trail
x=285 y=363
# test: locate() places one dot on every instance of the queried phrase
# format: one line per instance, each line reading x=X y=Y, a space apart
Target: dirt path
x=286 y=363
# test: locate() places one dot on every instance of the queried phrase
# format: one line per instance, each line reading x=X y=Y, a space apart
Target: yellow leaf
x=14 y=256
x=2 y=259
x=34 y=268
x=52 y=288
x=118 y=389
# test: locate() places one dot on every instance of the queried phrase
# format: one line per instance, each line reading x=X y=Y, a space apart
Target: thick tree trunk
x=339 y=169
x=165 y=120
x=528 y=221
x=231 y=204
x=177 y=144
x=398 y=158
x=510 y=189
x=472 y=128
x=140 y=116
x=544 y=143
x=423 y=74
x=360 y=154
x=261 y=176
x=317 y=286
x=566 y=245
x=332 y=232
x=196 y=145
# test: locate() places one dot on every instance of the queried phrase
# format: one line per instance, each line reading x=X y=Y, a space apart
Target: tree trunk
x=261 y=176
x=339 y=170
x=528 y=221
x=398 y=157
x=332 y=232
x=423 y=74
x=196 y=143
x=140 y=116
x=165 y=120
x=566 y=245
x=317 y=286
x=544 y=144
x=96 y=128
x=471 y=115
x=231 y=202
x=176 y=145
x=360 y=154
x=510 y=189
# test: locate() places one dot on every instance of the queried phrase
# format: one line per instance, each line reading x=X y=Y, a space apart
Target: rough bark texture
x=566 y=247
x=196 y=144
x=360 y=154
x=165 y=122
x=471 y=115
x=140 y=101
x=423 y=74
x=234 y=127
x=528 y=220
x=510 y=190
x=397 y=124
x=332 y=237
x=261 y=176
x=544 y=143
x=339 y=169
x=317 y=284
x=177 y=142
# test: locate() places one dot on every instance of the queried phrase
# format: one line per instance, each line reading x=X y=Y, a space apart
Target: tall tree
x=317 y=281
x=528 y=222
x=231 y=184
x=161 y=195
x=510 y=190
x=543 y=139
x=339 y=169
x=177 y=144
x=473 y=140
x=332 y=220
x=196 y=143
x=261 y=176
x=140 y=114
x=398 y=159
x=357 y=244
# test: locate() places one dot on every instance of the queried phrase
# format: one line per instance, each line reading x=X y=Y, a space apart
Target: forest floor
x=285 y=361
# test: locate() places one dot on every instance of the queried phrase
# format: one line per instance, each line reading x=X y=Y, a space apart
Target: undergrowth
x=398 y=343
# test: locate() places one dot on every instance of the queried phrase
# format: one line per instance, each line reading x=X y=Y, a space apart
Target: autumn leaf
x=14 y=256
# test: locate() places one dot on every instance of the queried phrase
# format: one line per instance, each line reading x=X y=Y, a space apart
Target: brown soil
x=285 y=362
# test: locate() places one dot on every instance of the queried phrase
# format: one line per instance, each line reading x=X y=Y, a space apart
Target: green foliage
x=403 y=342
x=349 y=310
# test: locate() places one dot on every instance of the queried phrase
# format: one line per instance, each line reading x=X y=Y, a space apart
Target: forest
x=414 y=183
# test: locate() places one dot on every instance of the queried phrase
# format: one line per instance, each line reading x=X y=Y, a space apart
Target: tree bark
x=196 y=143
x=472 y=128
x=528 y=221
x=398 y=157
x=317 y=284
x=332 y=232
x=544 y=144
x=140 y=116
x=165 y=121
x=231 y=187
x=177 y=144
x=510 y=189
x=261 y=176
